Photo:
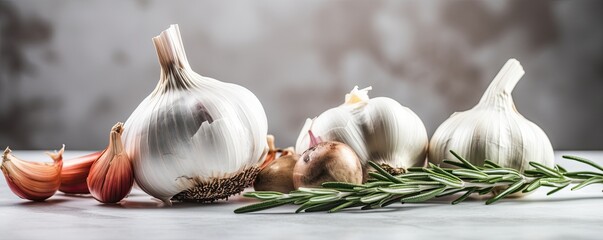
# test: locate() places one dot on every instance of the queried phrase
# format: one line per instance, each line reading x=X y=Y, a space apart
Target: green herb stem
x=423 y=184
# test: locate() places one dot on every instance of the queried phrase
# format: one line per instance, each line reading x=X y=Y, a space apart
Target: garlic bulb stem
x=172 y=59
x=499 y=91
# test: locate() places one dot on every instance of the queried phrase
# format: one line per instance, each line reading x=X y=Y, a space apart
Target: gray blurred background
x=70 y=69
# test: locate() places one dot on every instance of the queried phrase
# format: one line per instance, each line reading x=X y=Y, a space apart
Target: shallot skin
x=327 y=162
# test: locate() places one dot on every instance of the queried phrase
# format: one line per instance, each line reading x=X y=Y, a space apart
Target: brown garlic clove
x=327 y=162
x=111 y=176
x=34 y=181
x=75 y=172
x=278 y=175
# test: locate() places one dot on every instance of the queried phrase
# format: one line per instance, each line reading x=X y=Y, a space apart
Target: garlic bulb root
x=493 y=129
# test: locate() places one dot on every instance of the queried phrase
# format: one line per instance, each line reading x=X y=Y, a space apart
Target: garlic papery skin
x=74 y=173
x=111 y=176
x=377 y=129
x=194 y=138
x=493 y=129
x=36 y=181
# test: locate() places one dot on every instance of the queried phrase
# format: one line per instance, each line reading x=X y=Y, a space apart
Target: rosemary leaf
x=384 y=173
x=340 y=185
x=342 y=206
x=485 y=191
x=555 y=190
x=324 y=198
x=400 y=190
x=584 y=160
x=546 y=170
x=324 y=207
x=305 y=206
x=318 y=190
x=470 y=173
x=263 y=205
x=506 y=192
x=582 y=174
x=491 y=164
x=588 y=182
x=376 y=184
x=378 y=176
x=462 y=198
x=302 y=200
x=447 y=181
x=263 y=195
x=533 y=186
x=415 y=175
x=444 y=172
x=454 y=163
x=560 y=168
x=374 y=197
x=465 y=162
x=501 y=171
x=423 y=196
x=451 y=192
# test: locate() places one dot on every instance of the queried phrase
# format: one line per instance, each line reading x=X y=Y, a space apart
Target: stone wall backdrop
x=70 y=69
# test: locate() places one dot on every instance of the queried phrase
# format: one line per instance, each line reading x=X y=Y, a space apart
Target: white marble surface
x=566 y=215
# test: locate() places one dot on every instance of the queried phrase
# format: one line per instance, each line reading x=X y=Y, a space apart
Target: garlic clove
x=74 y=173
x=377 y=129
x=493 y=129
x=34 y=181
x=111 y=176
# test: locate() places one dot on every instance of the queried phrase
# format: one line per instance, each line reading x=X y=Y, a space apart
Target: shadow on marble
x=157 y=204
x=46 y=203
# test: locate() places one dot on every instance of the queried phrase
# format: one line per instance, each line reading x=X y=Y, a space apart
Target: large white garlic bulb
x=194 y=138
x=493 y=129
x=377 y=129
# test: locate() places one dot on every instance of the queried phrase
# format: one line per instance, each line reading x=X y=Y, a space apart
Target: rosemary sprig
x=422 y=184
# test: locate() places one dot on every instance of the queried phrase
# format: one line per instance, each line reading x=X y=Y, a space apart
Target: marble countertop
x=565 y=215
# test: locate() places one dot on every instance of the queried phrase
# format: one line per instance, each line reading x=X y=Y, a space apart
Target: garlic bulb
x=377 y=129
x=194 y=138
x=493 y=129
